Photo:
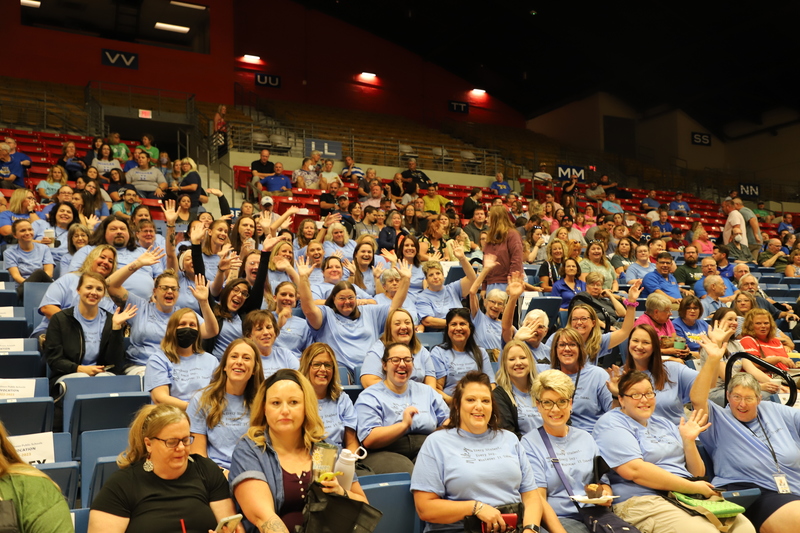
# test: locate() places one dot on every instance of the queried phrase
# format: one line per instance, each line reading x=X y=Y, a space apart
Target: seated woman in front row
x=271 y=464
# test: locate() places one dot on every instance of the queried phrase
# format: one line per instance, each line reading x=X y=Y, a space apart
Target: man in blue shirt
x=715 y=289
x=12 y=175
x=649 y=203
x=610 y=206
x=680 y=208
x=277 y=183
x=661 y=281
x=709 y=268
x=662 y=222
x=500 y=186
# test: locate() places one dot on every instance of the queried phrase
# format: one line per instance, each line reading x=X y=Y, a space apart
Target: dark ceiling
x=719 y=62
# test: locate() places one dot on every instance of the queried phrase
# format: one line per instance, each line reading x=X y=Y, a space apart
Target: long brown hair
x=500 y=225
x=655 y=365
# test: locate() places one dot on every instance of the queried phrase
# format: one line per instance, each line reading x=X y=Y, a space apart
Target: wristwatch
x=532 y=527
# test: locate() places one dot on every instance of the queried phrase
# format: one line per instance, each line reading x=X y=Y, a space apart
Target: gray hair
x=497 y=293
x=743 y=379
x=657 y=302
x=710 y=280
x=5 y=146
x=741 y=280
x=412 y=160
x=541 y=315
x=389 y=273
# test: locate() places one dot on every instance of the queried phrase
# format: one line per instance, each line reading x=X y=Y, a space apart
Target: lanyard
x=769 y=444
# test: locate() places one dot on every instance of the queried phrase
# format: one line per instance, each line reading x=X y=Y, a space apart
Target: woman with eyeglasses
x=160 y=487
x=397 y=414
x=650 y=455
x=591 y=397
x=219 y=414
x=318 y=364
x=261 y=327
x=672 y=380
x=583 y=318
x=690 y=324
x=574 y=447
x=765 y=433
x=488 y=327
x=149 y=326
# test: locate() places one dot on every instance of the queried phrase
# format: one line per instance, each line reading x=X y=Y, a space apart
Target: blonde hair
x=148 y=422
x=169 y=344
x=318 y=348
x=10 y=461
x=313 y=428
x=554 y=380
x=62 y=181
x=500 y=225
x=502 y=377
x=592 y=345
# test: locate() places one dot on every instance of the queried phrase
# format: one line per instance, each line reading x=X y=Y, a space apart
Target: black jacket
x=65 y=346
x=509 y=416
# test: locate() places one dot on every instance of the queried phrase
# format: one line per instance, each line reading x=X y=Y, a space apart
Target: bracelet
x=629 y=303
x=170 y=225
x=324 y=227
x=345 y=493
x=479 y=508
x=613 y=397
x=532 y=527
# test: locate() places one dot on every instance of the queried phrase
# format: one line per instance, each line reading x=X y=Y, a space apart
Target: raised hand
x=227 y=247
x=377 y=270
x=170 y=212
x=458 y=251
x=269 y=243
x=226 y=260
x=92 y=221
x=346 y=263
x=197 y=233
x=338 y=253
x=404 y=268
x=200 y=289
x=635 y=290
x=697 y=423
x=435 y=256
x=215 y=192
x=123 y=315
x=282 y=264
x=389 y=255
x=527 y=330
x=714 y=342
x=303 y=267
x=516 y=284
x=489 y=261
x=152 y=256
x=332 y=218
x=614 y=373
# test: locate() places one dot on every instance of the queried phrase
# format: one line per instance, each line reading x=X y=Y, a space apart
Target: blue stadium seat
x=34 y=292
x=8 y=298
x=65 y=474
x=454 y=274
x=62 y=443
x=549 y=304
x=353 y=391
x=40 y=387
x=429 y=339
x=775 y=289
x=81 y=519
x=103 y=444
x=24 y=416
x=393 y=498
x=107 y=410
x=76 y=386
x=22 y=365
x=16 y=326
x=791 y=281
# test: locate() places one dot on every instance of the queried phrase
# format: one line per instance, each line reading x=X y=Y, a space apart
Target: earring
x=148 y=464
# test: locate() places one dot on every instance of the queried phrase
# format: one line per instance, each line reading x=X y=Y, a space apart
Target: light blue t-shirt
x=92 y=335
x=453 y=464
x=223 y=437
x=670 y=400
x=229 y=332
x=185 y=378
x=378 y=406
x=637 y=271
x=454 y=365
x=409 y=304
x=321 y=291
x=276 y=277
x=417 y=280
x=61 y=236
x=348 y=337
x=622 y=439
x=592 y=397
x=277 y=359
x=575 y=452
x=437 y=304
x=373 y=364
x=488 y=332
x=528 y=417
x=295 y=335
x=728 y=441
x=139 y=283
x=148 y=328
x=27 y=262
x=336 y=416
x=329 y=247
x=185 y=296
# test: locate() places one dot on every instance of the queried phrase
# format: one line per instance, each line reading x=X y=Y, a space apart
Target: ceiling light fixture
x=30 y=3
x=368 y=75
x=171 y=27
x=248 y=57
x=478 y=91
x=190 y=6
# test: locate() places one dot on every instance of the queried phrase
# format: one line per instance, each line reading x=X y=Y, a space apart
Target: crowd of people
x=245 y=332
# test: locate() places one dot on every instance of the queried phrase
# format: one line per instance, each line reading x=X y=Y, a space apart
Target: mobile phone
x=509 y=519
x=230 y=521
x=108 y=367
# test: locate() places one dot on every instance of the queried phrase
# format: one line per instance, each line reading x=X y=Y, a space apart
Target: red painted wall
x=48 y=55
x=319 y=58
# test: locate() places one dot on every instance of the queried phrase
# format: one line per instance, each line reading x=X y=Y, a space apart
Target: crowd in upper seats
x=235 y=321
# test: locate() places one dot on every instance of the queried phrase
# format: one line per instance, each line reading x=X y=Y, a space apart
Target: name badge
x=781 y=483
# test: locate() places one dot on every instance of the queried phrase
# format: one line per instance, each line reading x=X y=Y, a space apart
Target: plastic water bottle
x=346 y=464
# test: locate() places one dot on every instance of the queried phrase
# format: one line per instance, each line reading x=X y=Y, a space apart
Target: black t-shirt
x=329 y=198
x=468 y=209
x=418 y=177
x=156 y=505
x=192 y=178
x=264 y=168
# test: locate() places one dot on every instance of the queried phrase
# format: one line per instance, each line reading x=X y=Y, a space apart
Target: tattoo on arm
x=120 y=301
x=171 y=236
x=273 y=525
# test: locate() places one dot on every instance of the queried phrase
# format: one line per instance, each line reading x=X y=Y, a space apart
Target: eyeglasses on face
x=173 y=443
x=639 y=395
x=745 y=399
x=398 y=360
x=326 y=366
x=548 y=404
x=244 y=292
x=567 y=345
x=168 y=288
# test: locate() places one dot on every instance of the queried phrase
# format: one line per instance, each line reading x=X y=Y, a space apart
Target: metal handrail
x=767 y=366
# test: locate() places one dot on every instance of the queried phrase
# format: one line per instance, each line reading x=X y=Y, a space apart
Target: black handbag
x=331 y=513
x=8 y=517
x=596 y=518
x=472 y=524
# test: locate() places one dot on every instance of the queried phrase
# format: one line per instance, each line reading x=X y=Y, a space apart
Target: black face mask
x=186 y=336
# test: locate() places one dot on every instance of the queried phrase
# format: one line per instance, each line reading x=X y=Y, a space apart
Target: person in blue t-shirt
x=649 y=455
x=500 y=185
x=261 y=327
x=765 y=433
x=437 y=299
x=27 y=260
x=220 y=413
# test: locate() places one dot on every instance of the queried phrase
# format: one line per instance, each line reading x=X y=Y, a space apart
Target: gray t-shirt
x=145 y=180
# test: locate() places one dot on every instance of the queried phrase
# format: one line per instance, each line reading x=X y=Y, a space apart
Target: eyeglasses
x=494 y=302
x=173 y=443
x=548 y=404
x=567 y=345
x=537 y=227
x=244 y=292
x=746 y=399
x=168 y=288
x=398 y=360
x=326 y=366
x=638 y=395
x=343 y=299
x=580 y=319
